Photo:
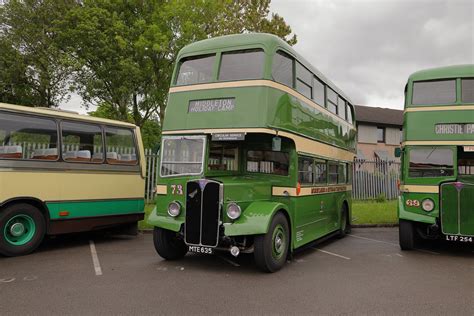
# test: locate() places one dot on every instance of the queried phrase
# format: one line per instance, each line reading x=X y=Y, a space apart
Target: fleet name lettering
x=215 y=105
x=452 y=129
x=327 y=189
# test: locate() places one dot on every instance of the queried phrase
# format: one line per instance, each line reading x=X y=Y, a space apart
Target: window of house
x=381 y=134
x=195 y=70
x=240 y=65
x=120 y=144
x=27 y=137
x=434 y=92
x=305 y=170
x=81 y=142
x=318 y=92
x=282 y=68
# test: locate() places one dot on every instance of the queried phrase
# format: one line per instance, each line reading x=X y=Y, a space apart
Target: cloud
x=369 y=48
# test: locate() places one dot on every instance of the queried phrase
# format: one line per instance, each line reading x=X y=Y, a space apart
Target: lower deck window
x=465 y=162
x=223 y=157
x=430 y=162
x=333 y=173
x=270 y=162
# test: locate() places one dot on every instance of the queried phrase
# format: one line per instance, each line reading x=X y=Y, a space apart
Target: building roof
x=375 y=115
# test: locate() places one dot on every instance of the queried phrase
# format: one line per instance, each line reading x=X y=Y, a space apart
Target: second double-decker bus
x=256 y=154
x=62 y=172
x=437 y=179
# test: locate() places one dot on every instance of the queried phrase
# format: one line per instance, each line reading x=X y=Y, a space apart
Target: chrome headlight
x=174 y=208
x=233 y=211
x=427 y=205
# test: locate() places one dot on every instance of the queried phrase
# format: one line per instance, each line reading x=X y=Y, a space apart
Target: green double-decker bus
x=437 y=179
x=256 y=154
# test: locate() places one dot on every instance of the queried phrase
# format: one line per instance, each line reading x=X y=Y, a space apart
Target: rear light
x=298 y=188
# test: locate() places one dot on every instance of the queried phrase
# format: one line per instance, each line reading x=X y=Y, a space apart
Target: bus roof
x=268 y=41
x=455 y=71
x=61 y=114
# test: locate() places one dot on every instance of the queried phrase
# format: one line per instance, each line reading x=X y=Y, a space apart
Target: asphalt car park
x=364 y=273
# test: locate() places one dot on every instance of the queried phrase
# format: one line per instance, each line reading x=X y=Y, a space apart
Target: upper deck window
x=304 y=81
x=349 y=113
x=430 y=162
x=282 y=69
x=318 y=92
x=434 y=92
x=195 y=70
x=332 y=101
x=341 y=107
x=241 y=65
x=467 y=90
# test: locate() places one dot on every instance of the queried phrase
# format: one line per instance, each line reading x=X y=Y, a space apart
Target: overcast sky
x=368 y=48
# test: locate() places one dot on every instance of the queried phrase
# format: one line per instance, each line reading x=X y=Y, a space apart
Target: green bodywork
x=420 y=126
x=84 y=208
x=310 y=217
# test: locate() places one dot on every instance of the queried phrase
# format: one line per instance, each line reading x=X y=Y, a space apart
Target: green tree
x=34 y=71
x=126 y=49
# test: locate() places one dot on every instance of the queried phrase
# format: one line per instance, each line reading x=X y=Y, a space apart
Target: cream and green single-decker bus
x=63 y=172
x=256 y=153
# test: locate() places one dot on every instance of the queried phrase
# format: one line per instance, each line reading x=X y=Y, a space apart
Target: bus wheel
x=168 y=245
x=345 y=223
x=407 y=235
x=22 y=229
x=271 y=249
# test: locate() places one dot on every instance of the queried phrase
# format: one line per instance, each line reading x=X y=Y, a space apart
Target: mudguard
x=403 y=214
x=255 y=219
x=165 y=221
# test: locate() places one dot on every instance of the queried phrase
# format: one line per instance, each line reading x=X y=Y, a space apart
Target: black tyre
x=407 y=235
x=345 y=227
x=22 y=229
x=168 y=244
x=271 y=249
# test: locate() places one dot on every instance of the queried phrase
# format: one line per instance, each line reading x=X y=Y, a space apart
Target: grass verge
x=143 y=224
x=371 y=212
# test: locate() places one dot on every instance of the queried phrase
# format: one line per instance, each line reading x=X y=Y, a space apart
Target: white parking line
x=393 y=244
x=235 y=264
x=95 y=259
x=375 y=240
x=332 y=253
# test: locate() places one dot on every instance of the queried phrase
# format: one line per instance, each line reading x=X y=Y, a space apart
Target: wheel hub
x=278 y=243
x=17 y=229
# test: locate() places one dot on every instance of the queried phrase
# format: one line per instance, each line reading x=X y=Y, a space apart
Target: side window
x=318 y=92
x=467 y=90
x=333 y=172
x=304 y=81
x=81 y=142
x=342 y=177
x=331 y=100
x=341 y=107
x=305 y=170
x=27 y=137
x=320 y=172
x=271 y=162
x=223 y=157
x=282 y=69
x=349 y=114
x=434 y=92
x=120 y=146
